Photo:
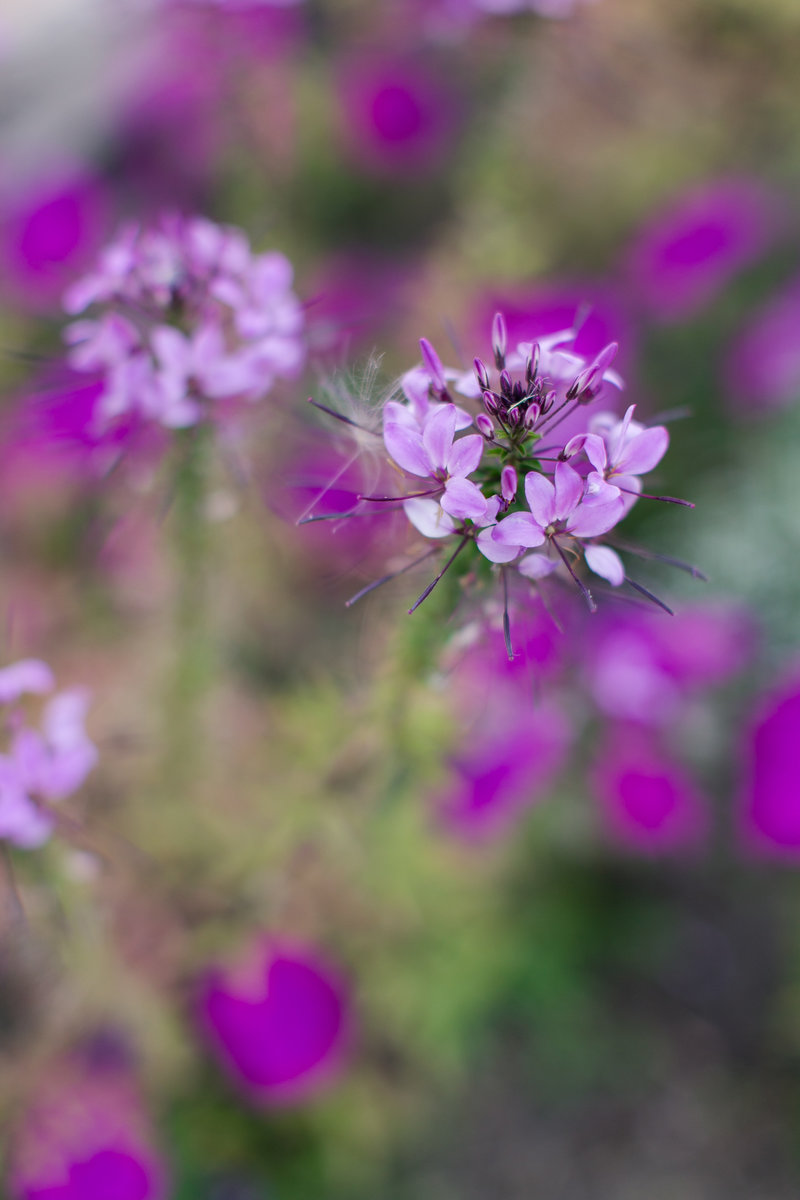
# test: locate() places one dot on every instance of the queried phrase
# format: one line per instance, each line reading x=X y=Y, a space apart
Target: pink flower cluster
x=547 y=471
x=186 y=317
x=636 y=685
x=43 y=765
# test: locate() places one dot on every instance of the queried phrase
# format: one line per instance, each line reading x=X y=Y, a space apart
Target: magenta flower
x=279 y=1021
x=648 y=803
x=643 y=669
x=537 y=312
x=41 y=766
x=689 y=250
x=86 y=1136
x=399 y=114
x=50 y=231
x=769 y=813
x=762 y=368
x=502 y=771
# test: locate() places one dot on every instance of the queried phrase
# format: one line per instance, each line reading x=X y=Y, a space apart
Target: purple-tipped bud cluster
x=550 y=472
x=39 y=766
x=184 y=317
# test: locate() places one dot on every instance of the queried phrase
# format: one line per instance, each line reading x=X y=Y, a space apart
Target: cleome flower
x=185 y=317
x=541 y=415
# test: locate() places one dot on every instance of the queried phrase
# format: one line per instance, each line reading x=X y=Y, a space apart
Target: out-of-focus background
x=346 y=909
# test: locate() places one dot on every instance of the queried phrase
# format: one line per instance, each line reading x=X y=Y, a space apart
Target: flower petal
x=541 y=497
x=464 y=499
x=569 y=490
x=438 y=433
x=644 y=451
x=519 y=529
x=429 y=518
x=406 y=448
x=493 y=550
x=537 y=566
x=605 y=562
x=590 y=520
x=465 y=455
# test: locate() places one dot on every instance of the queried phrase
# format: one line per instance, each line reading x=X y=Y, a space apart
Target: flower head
x=187 y=317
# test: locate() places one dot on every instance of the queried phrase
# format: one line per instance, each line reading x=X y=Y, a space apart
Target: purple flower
x=537 y=404
x=648 y=803
x=641 y=668
x=769 y=820
x=41 y=766
x=762 y=368
x=399 y=113
x=502 y=771
x=434 y=454
x=567 y=506
x=688 y=251
x=279 y=1021
x=238 y=326
x=537 y=312
x=51 y=230
x=85 y=1136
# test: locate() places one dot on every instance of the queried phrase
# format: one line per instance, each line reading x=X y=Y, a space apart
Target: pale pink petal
x=605 y=562
x=464 y=499
x=541 y=497
x=568 y=490
x=28 y=675
x=438 y=433
x=429 y=518
x=465 y=455
x=494 y=551
x=519 y=529
x=590 y=520
x=406 y=448
x=537 y=566
x=644 y=451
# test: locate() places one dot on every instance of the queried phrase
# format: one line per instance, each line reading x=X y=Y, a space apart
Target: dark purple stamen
x=388 y=578
x=587 y=595
x=410 y=496
x=445 y=568
x=638 y=587
x=506 y=619
x=642 y=552
x=665 y=499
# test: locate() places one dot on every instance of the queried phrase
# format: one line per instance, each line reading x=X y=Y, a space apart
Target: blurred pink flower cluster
x=186 y=317
x=637 y=682
x=41 y=765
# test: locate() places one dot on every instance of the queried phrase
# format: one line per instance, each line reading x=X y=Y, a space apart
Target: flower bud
x=532 y=414
x=485 y=426
x=433 y=365
x=482 y=374
x=491 y=402
x=508 y=484
x=499 y=340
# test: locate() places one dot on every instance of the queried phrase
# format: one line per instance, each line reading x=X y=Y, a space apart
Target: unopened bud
x=532 y=414
x=508 y=484
x=485 y=426
x=506 y=386
x=499 y=340
x=433 y=365
x=491 y=402
x=482 y=373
